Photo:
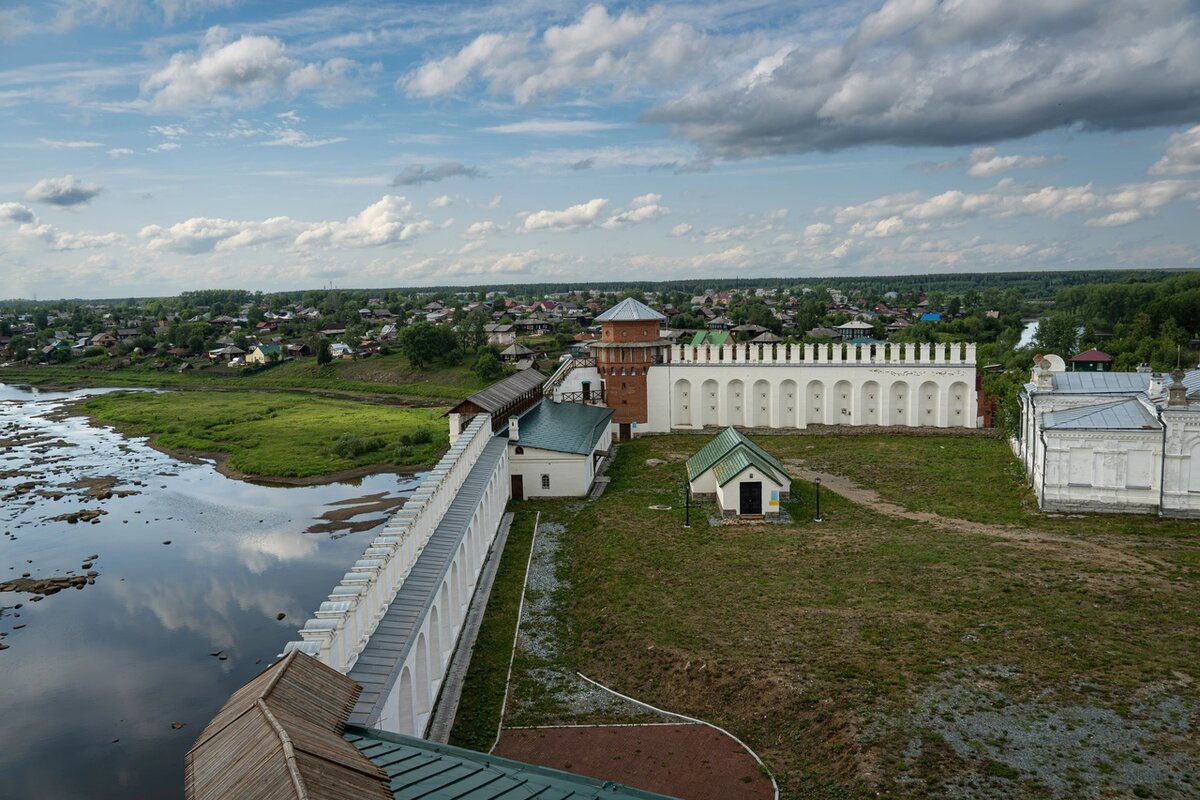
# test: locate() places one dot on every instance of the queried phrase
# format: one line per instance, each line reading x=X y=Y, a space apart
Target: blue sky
x=153 y=146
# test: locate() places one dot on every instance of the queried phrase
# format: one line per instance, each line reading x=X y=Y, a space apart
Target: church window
x=520 y=451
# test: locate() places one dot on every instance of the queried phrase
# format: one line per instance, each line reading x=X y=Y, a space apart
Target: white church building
x=1111 y=441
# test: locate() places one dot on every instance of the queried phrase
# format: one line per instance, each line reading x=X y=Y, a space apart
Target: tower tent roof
x=630 y=310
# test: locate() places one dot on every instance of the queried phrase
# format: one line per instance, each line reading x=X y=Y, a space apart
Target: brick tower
x=630 y=343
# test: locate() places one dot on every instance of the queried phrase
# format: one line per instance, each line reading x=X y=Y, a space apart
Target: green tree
x=1058 y=333
x=488 y=367
x=324 y=354
x=422 y=343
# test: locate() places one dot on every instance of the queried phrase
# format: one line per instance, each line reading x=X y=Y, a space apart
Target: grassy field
x=993 y=652
x=479 y=708
x=389 y=375
x=282 y=434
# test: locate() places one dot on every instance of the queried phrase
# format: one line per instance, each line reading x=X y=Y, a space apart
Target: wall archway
x=927 y=404
x=759 y=404
x=407 y=717
x=958 y=405
x=870 y=401
x=789 y=399
x=435 y=640
x=814 y=403
x=421 y=662
x=898 y=399
x=843 y=403
x=735 y=403
x=681 y=402
x=710 y=404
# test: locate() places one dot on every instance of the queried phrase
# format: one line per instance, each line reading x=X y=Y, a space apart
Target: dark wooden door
x=518 y=487
x=624 y=431
x=752 y=497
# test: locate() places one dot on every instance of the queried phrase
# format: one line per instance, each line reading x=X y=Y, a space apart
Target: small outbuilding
x=744 y=479
x=555 y=448
x=1091 y=361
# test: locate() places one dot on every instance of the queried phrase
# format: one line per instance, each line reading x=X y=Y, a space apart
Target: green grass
x=389 y=375
x=478 y=716
x=812 y=641
x=272 y=435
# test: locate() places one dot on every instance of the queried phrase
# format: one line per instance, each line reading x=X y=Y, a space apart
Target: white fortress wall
x=793 y=386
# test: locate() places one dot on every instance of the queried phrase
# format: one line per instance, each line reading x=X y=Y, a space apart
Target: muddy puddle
x=137 y=592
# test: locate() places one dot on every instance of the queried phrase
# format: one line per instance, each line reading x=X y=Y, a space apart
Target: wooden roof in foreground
x=279 y=737
x=503 y=393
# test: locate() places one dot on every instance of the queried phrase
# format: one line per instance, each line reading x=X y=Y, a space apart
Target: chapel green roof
x=419 y=768
x=724 y=444
x=738 y=461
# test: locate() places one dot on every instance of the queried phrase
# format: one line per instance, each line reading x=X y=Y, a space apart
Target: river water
x=104 y=688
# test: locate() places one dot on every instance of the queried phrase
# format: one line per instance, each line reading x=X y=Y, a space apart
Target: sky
x=149 y=147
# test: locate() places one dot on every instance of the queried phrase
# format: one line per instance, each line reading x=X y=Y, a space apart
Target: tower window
x=545 y=481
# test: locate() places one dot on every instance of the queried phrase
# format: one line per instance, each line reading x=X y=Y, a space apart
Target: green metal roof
x=417 y=768
x=563 y=427
x=715 y=338
x=738 y=461
x=722 y=445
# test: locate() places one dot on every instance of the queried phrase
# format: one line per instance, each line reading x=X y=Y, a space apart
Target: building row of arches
x=409 y=705
x=789 y=403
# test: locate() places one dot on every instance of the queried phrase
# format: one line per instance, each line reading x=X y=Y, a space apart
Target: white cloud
x=642 y=209
x=985 y=162
x=620 y=51
x=388 y=221
x=919 y=72
x=290 y=137
x=65 y=191
x=15 y=212
x=495 y=202
x=30 y=227
x=554 y=126
x=441 y=201
x=62 y=144
x=1182 y=156
x=169 y=131
x=165 y=147
x=118 y=152
x=249 y=71
x=568 y=219
x=682 y=229
x=481 y=229
x=817 y=229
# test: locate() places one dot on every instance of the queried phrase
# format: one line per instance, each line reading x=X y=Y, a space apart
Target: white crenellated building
x=1111 y=441
x=656 y=386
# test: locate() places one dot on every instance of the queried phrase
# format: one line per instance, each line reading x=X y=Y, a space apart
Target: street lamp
x=817 y=518
x=687 y=505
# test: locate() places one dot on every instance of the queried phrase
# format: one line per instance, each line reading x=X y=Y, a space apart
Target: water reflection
x=98 y=676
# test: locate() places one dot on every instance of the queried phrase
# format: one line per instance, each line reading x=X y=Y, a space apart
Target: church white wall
x=1181 y=496
x=751 y=394
x=570 y=475
x=1101 y=471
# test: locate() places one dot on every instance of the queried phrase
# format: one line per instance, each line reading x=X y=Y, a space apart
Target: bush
x=419 y=436
x=403 y=454
x=350 y=445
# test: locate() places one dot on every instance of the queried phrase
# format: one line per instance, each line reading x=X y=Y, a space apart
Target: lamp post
x=687 y=505
x=817 y=517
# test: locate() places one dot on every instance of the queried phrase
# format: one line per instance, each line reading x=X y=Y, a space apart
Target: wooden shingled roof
x=279 y=737
x=504 y=393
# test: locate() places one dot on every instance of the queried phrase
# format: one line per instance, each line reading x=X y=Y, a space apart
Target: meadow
x=277 y=435
x=934 y=636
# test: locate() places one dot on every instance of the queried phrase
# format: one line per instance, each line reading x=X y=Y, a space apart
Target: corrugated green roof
x=740 y=460
x=417 y=768
x=715 y=338
x=563 y=427
x=722 y=445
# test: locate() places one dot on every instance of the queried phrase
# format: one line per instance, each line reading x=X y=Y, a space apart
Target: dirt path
x=1076 y=546
x=689 y=761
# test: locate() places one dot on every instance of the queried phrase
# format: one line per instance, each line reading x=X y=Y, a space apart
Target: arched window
x=545 y=481
x=520 y=451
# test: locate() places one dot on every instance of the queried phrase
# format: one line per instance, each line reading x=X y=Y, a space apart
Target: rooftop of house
x=629 y=310
x=504 y=392
x=563 y=427
x=729 y=453
x=1124 y=415
x=1091 y=355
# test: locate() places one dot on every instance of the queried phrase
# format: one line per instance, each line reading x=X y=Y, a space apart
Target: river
x=103 y=688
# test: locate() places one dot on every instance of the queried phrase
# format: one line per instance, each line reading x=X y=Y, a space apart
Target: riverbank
x=280 y=438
